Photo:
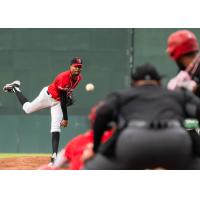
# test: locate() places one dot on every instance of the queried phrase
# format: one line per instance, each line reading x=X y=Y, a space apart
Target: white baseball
x=89 y=87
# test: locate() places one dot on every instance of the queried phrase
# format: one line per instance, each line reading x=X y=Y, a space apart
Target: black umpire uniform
x=149 y=126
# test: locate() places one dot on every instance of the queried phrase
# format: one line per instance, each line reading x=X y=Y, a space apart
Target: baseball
x=89 y=87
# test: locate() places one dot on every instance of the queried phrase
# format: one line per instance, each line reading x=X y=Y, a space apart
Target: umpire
x=149 y=126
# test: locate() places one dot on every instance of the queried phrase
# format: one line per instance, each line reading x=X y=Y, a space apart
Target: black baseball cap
x=76 y=61
x=145 y=72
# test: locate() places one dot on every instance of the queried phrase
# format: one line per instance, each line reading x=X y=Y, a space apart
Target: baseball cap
x=145 y=72
x=76 y=61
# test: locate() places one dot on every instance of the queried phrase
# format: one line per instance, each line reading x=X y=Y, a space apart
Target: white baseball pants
x=44 y=100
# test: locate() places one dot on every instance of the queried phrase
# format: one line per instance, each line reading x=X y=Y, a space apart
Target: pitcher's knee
x=27 y=108
x=55 y=126
x=55 y=129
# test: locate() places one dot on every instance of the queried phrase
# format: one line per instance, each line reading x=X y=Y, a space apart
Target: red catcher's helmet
x=180 y=43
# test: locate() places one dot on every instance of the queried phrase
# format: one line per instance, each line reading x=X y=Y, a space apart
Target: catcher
x=79 y=149
x=183 y=48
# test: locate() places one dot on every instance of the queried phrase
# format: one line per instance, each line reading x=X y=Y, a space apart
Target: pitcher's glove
x=70 y=100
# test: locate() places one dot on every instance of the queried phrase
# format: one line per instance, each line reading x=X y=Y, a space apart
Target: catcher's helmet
x=180 y=43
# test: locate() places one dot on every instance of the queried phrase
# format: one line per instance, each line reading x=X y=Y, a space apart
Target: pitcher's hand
x=64 y=123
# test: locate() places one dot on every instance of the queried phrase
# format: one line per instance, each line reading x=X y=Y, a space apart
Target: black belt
x=154 y=124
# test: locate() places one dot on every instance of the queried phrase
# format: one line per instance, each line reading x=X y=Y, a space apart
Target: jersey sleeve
x=63 y=103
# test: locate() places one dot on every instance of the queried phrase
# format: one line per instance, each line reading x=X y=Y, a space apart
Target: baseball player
x=72 y=156
x=149 y=126
x=183 y=48
x=57 y=96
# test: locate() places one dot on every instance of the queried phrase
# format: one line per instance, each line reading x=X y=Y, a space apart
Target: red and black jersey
x=63 y=82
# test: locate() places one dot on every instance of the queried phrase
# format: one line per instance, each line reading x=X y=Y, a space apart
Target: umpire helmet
x=180 y=43
x=145 y=72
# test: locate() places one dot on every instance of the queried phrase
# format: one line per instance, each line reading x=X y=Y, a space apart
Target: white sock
x=17 y=88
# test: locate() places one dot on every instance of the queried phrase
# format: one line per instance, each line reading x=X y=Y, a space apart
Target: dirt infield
x=23 y=163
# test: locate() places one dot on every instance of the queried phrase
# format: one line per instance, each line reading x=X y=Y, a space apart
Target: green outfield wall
x=36 y=56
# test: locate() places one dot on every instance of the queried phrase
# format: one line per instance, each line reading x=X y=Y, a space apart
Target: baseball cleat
x=47 y=167
x=50 y=165
x=10 y=86
x=53 y=157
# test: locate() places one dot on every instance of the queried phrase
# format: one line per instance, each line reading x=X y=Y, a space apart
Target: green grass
x=8 y=155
